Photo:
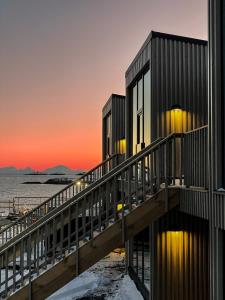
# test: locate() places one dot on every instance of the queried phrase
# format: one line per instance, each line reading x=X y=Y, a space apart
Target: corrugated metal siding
x=116 y=107
x=219 y=210
x=105 y=112
x=179 y=77
x=118 y=118
x=181 y=258
x=139 y=62
x=195 y=203
x=215 y=97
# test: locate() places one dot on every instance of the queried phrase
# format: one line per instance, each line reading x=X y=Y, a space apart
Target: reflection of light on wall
x=121 y=146
x=175 y=246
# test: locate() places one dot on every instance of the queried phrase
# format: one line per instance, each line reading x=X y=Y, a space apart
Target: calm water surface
x=11 y=186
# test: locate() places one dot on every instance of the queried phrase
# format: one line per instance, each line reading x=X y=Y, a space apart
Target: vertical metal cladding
x=195 y=203
x=179 y=77
x=115 y=106
x=216 y=109
x=179 y=247
x=178 y=67
x=219 y=210
x=118 y=118
x=180 y=269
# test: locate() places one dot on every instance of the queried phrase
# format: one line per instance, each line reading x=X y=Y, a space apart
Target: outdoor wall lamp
x=176 y=117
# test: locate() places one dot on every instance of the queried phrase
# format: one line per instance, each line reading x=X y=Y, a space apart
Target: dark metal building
x=166 y=81
x=166 y=92
x=165 y=202
x=216 y=147
x=113 y=127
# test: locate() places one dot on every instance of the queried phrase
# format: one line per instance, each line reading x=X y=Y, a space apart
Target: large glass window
x=134 y=96
x=140 y=94
x=147 y=109
x=108 y=135
x=141 y=112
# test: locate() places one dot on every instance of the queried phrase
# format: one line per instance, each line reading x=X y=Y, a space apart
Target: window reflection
x=134 y=94
x=147 y=109
x=141 y=112
x=108 y=135
x=140 y=94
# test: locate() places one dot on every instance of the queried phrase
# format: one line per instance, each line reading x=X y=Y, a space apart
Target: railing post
x=123 y=205
x=115 y=197
x=29 y=263
x=129 y=188
x=77 y=240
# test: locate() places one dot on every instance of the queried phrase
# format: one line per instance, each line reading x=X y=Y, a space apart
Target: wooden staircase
x=91 y=252
x=73 y=235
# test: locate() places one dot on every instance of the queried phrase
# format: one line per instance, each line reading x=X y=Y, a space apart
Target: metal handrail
x=196 y=129
x=110 y=175
x=27 y=219
x=156 y=143
x=47 y=241
x=93 y=209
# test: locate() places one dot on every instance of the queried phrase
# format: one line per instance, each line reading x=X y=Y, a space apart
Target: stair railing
x=58 y=199
x=88 y=213
x=78 y=220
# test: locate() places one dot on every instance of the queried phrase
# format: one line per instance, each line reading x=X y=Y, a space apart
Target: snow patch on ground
x=127 y=290
x=105 y=280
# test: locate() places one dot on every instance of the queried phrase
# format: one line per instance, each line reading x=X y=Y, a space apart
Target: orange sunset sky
x=59 y=63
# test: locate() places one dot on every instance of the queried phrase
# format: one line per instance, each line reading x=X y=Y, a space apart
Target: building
x=166 y=86
x=113 y=127
x=170 y=186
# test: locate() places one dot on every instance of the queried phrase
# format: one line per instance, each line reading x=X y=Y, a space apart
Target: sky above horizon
x=59 y=63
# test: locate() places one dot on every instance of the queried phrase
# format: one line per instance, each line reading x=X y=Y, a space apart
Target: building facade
x=166 y=92
x=166 y=89
x=176 y=85
x=216 y=147
x=113 y=127
x=164 y=198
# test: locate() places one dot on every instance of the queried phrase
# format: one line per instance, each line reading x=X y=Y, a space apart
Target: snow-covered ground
x=105 y=280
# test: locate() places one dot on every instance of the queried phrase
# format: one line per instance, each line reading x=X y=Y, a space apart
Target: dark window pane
x=147 y=109
x=134 y=97
x=109 y=135
x=140 y=94
x=141 y=128
x=138 y=129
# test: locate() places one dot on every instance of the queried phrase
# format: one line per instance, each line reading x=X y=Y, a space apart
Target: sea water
x=11 y=186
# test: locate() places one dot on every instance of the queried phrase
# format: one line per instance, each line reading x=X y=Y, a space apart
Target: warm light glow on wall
x=121 y=146
x=181 y=263
x=176 y=119
x=175 y=246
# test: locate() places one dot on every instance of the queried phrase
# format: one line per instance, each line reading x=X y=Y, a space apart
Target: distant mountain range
x=53 y=170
